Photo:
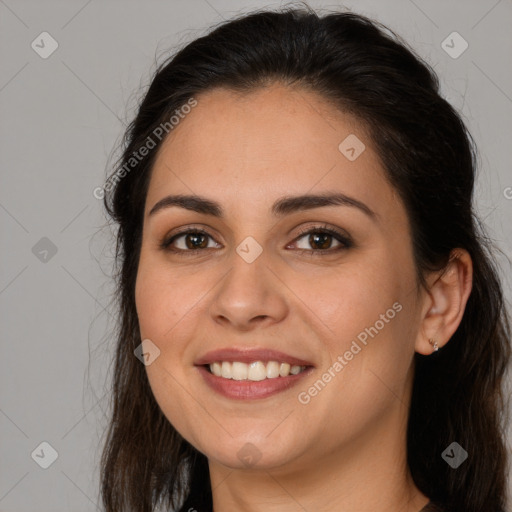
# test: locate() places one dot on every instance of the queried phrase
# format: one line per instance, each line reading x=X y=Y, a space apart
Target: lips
x=246 y=386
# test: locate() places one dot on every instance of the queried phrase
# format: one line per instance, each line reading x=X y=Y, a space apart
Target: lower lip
x=248 y=389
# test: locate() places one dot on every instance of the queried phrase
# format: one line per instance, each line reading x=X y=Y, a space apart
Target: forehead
x=253 y=147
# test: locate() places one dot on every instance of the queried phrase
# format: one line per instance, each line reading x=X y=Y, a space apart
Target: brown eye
x=187 y=241
x=320 y=241
x=196 y=241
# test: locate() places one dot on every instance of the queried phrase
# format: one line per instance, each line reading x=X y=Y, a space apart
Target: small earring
x=434 y=344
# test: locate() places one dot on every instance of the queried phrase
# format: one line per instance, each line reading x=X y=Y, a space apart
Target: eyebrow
x=283 y=206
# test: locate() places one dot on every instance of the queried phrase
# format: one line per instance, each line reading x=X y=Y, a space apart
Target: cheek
x=150 y=302
x=162 y=308
x=162 y=298
x=365 y=314
x=349 y=299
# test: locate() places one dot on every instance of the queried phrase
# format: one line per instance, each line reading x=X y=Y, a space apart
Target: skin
x=345 y=450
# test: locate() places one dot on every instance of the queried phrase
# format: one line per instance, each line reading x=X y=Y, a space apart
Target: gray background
x=60 y=119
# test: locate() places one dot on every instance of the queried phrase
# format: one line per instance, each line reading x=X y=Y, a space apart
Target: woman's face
x=254 y=288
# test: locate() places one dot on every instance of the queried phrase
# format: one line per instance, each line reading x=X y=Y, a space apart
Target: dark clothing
x=430 y=507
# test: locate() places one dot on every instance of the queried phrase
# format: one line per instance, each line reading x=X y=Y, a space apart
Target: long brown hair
x=429 y=157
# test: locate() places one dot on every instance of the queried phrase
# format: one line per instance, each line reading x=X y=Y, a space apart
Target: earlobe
x=446 y=298
x=434 y=344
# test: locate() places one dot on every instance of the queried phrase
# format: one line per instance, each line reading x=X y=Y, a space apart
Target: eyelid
x=325 y=228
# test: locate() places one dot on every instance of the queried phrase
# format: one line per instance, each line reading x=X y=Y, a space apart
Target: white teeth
x=294 y=370
x=239 y=371
x=255 y=371
x=216 y=369
x=226 y=370
x=272 y=370
x=284 y=369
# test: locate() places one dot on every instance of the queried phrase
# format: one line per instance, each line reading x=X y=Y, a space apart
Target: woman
x=317 y=319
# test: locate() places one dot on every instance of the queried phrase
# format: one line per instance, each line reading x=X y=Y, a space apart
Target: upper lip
x=247 y=355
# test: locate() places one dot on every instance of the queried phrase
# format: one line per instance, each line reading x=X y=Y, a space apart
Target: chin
x=250 y=452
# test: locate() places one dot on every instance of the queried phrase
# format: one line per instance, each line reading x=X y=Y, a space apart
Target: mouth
x=255 y=371
x=251 y=374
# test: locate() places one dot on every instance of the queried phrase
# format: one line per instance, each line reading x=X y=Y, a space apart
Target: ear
x=445 y=301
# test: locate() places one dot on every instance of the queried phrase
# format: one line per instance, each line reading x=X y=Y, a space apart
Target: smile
x=242 y=373
x=255 y=371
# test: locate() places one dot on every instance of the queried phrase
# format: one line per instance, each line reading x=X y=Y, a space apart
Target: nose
x=250 y=295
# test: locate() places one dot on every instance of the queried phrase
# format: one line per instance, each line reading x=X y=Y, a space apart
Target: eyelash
x=345 y=241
